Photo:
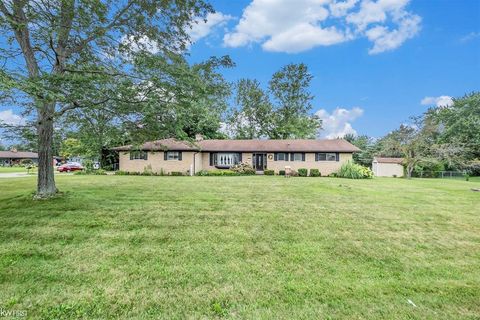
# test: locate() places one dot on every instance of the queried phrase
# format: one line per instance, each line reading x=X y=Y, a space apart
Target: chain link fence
x=442 y=174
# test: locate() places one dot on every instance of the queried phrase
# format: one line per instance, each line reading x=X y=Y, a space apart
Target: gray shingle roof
x=388 y=160
x=294 y=145
x=18 y=154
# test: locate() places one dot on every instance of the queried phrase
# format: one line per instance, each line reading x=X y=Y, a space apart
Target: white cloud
x=202 y=29
x=338 y=123
x=303 y=37
x=199 y=30
x=441 y=101
x=469 y=37
x=341 y=8
x=142 y=43
x=295 y=26
x=9 y=118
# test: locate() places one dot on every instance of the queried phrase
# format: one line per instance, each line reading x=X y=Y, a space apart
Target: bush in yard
x=176 y=173
x=473 y=167
x=224 y=172
x=99 y=172
x=302 y=172
x=217 y=173
x=122 y=173
x=243 y=168
x=88 y=165
x=202 y=173
x=281 y=172
x=269 y=172
x=315 y=173
x=27 y=163
x=352 y=170
x=147 y=171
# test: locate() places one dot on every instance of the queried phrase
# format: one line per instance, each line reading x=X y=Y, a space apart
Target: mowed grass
x=241 y=247
x=16 y=169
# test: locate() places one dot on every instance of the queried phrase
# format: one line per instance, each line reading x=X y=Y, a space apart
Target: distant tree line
x=90 y=75
x=283 y=111
x=443 y=138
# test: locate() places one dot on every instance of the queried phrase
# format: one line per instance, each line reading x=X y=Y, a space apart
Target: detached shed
x=387 y=167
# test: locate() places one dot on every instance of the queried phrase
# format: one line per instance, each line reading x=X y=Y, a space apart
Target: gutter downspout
x=194 y=168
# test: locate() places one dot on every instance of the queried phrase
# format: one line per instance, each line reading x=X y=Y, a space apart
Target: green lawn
x=15 y=169
x=241 y=247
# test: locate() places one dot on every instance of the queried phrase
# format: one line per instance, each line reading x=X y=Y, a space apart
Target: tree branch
x=100 y=30
x=19 y=24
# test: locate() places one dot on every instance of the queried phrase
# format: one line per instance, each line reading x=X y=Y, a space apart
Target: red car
x=70 y=166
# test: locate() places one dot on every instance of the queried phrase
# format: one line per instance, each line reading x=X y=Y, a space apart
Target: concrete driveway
x=24 y=174
x=16 y=174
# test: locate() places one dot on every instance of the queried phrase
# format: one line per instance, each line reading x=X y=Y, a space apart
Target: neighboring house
x=387 y=167
x=13 y=157
x=190 y=157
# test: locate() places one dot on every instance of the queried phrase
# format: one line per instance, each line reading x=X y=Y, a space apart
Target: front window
x=138 y=155
x=227 y=159
x=327 y=156
x=297 y=157
x=282 y=156
x=173 y=155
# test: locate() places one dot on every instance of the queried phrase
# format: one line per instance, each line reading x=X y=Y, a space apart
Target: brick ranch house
x=14 y=157
x=171 y=155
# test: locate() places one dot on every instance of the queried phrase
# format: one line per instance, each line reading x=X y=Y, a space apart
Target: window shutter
x=275 y=156
x=180 y=156
x=211 y=159
x=337 y=155
x=164 y=155
x=146 y=155
x=131 y=155
x=240 y=157
x=291 y=157
x=316 y=156
x=303 y=156
x=286 y=156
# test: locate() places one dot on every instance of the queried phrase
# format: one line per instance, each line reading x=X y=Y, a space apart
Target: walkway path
x=15 y=174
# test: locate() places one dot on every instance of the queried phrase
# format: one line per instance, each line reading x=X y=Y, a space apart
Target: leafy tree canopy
x=75 y=54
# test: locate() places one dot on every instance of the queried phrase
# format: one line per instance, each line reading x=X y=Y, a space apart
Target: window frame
x=329 y=156
x=176 y=156
x=230 y=159
x=285 y=156
x=138 y=155
x=294 y=156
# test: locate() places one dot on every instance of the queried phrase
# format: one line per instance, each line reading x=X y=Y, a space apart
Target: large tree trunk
x=409 y=171
x=46 y=181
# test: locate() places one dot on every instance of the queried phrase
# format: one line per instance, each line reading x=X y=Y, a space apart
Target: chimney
x=198 y=137
x=14 y=150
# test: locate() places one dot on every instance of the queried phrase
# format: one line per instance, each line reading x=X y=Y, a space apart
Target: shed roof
x=388 y=160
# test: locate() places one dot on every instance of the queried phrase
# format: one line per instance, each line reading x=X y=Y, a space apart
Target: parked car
x=70 y=166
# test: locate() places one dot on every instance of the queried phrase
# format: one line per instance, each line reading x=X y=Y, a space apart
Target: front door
x=259 y=161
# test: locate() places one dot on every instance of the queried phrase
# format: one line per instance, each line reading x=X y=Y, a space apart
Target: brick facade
x=201 y=161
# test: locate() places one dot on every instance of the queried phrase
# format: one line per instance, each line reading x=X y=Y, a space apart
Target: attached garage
x=387 y=167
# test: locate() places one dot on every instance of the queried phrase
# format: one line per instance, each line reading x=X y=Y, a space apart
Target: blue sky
x=375 y=62
x=426 y=49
